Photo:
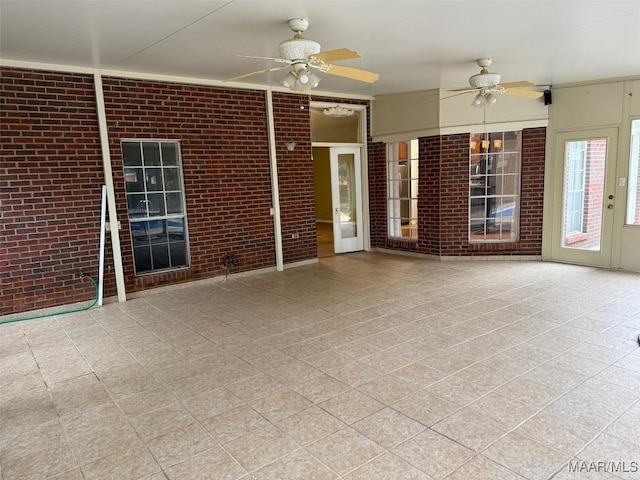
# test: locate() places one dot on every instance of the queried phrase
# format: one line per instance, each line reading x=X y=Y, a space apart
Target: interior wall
x=51 y=189
x=592 y=106
x=443 y=212
x=322 y=184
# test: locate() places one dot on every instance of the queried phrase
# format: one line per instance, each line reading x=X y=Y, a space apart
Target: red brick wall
x=292 y=123
x=50 y=186
x=443 y=198
x=225 y=159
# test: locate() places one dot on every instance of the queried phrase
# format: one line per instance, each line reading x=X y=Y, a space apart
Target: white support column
x=275 y=192
x=108 y=180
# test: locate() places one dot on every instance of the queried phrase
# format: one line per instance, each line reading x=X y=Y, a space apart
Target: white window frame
x=395 y=218
x=634 y=173
x=146 y=216
x=575 y=185
x=492 y=149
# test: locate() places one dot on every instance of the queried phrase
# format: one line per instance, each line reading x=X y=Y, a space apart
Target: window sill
x=576 y=238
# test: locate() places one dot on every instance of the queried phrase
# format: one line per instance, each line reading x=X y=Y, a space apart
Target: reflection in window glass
x=402 y=189
x=494 y=186
x=155 y=204
x=633 y=189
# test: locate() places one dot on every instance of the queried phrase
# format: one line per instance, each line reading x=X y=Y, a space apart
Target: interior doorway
x=339 y=177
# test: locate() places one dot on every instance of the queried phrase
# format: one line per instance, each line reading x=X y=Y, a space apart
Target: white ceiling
x=414 y=45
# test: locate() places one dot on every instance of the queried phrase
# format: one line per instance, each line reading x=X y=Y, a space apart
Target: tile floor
x=363 y=366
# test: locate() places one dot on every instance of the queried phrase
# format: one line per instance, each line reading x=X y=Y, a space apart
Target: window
x=402 y=189
x=155 y=204
x=633 y=192
x=494 y=186
x=574 y=188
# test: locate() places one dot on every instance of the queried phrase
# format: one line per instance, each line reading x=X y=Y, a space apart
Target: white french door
x=346 y=196
x=584 y=193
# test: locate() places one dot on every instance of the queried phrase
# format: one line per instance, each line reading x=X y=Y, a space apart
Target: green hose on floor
x=44 y=315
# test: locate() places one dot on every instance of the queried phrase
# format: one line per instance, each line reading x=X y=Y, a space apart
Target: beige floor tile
x=146 y=401
x=456 y=390
x=425 y=407
x=388 y=427
x=179 y=445
x=387 y=467
x=158 y=422
x=419 y=374
x=611 y=449
x=355 y=373
x=321 y=388
x=39 y=464
x=261 y=447
x=80 y=393
x=351 y=406
x=384 y=325
x=527 y=391
x=132 y=464
x=234 y=423
x=388 y=389
x=530 y=459
x=470 y=429
x=296 y=466
x=483 y=375
x=481 y=468
x=504 y=410
x=280 y=405
x=345 y=450
x=433 y=453
x=309 y=425
x=19 y=441
x=74 y=474
x=255 y=387
x=211 y=403
x=557 y=433
x=214 y=464
x=627 y=426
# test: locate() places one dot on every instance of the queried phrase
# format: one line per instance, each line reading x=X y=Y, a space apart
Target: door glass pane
x=584 y=164
x=346 y=185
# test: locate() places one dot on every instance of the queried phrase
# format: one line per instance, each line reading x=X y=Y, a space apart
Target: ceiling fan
x=487 y=84
x=302 y=56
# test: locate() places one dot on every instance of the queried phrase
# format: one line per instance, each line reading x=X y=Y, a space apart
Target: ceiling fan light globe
x=314 y=80
x=304 y=78
x=491 y=99
x=477 y=101
x=289 y=81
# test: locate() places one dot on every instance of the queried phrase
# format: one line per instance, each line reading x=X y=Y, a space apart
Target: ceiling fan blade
x=462 y=89
x=275 y=59
x=333 y=55
x=522 y=83
x=523 y=93
x=273 y=69
x=457 y=94
x=354 y=73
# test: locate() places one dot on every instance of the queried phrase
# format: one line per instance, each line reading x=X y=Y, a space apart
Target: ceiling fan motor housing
x=484 y=80
x=298 y=48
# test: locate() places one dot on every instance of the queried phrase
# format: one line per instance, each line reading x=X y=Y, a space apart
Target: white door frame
x=361 y=111
x=355 y=243
x=554 y=204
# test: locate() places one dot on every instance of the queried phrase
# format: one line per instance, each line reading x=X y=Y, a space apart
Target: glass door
x=585 y=193
x=346 y=193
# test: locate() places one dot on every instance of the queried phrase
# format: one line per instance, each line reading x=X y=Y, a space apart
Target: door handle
x=337 y=210
x=610 y=206
x=610 y=197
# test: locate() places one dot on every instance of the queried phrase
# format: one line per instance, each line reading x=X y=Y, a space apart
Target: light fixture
x=290 y=80
x=338 y=111
x=497 y=144
x=300 y=78
x=484 y=98
x=485 y=144
x=290 y=146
